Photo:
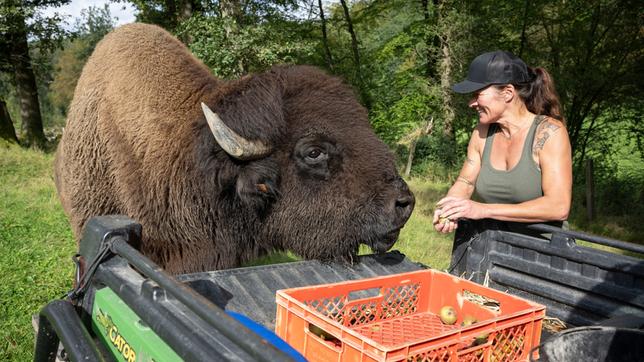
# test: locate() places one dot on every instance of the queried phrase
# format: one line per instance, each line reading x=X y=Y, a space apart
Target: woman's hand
x=443 y=224
x=455 y=208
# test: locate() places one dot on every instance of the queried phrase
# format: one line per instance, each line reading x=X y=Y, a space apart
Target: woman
x=518 y=166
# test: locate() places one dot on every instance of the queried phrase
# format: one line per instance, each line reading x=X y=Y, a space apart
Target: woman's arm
x=552 y=146
x=463 y=187
x=464 y=184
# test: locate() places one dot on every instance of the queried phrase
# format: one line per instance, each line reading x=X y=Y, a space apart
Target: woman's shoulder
x=479 y=135
x=549 y=131
x=548 y=124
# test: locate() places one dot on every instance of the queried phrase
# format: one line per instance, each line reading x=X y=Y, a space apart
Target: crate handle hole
x=325 y=336
x=363 y=294
x=485 y=302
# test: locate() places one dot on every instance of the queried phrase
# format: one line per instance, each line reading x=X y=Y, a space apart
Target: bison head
x=308 y=166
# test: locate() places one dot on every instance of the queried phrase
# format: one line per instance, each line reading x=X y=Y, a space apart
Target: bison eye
x=314 y=153
x=315 y=156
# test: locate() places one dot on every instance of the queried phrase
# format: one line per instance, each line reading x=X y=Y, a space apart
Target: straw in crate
x=395 y=318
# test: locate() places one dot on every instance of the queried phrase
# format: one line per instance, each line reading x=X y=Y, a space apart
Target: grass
x=37 y=244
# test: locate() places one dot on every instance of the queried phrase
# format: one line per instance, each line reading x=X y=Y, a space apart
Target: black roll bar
x=58 y=321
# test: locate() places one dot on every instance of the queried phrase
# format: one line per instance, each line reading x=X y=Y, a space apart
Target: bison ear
x=250 y=116
x=257 y=184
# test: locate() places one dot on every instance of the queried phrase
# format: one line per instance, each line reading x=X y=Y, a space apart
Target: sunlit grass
x=36 y=244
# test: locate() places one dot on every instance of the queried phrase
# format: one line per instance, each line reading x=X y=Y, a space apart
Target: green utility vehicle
x=125 y=308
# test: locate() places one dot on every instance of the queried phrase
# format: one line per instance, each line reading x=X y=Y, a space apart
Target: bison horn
x=234 y=144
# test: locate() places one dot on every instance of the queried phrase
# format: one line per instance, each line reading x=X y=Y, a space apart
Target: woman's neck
x=515 y=122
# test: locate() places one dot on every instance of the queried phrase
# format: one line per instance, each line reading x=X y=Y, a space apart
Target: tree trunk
x=187 y=9
x=231 y=9
x=171 y=13
x=432 y=42
x=525 y=24
x=356 y=54
x=429 y=69
x=325 y=40
x=590 y=190
x=7 y=131
x=32 y=129
x=446 y=75
x=410 y=157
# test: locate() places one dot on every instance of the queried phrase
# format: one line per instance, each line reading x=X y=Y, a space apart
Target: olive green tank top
x=519 y=184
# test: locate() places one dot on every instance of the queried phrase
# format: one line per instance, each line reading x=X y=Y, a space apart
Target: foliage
x=438 y=148
x=160 y=12
x=171 y=13
x=253 y=48
x=394 y=121
x=45 y=32
x=68 y=63
x=21 y=22
x=401 y=98
x=68 y=67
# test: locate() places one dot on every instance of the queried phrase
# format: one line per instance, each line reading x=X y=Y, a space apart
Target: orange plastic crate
x=395 y=318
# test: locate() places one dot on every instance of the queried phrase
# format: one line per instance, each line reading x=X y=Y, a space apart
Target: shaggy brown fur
x=137 y=143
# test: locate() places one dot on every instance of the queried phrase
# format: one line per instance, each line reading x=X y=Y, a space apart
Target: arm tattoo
x=542 y=141
x=551 y=126
x=463 y=179
x=546 y=129
x=470 y=161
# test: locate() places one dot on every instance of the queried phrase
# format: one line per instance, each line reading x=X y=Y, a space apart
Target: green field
x=37 y=244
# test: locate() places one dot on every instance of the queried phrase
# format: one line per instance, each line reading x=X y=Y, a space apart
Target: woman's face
x=489 y=103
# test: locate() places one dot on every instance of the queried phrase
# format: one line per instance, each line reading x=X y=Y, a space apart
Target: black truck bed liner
x=579 y=285
x=251 y=291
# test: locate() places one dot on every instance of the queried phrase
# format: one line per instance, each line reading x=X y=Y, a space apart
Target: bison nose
x=404 y=202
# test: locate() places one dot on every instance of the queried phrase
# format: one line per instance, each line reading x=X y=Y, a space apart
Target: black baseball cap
x=498 y=67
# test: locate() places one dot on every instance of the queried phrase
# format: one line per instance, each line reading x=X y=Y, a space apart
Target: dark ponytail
x=539 y=95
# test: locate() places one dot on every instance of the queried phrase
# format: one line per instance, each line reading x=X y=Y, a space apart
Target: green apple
x=468 y=320
x=447 y=315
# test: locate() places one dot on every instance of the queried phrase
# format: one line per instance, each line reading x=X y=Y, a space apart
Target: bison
x=221 y=172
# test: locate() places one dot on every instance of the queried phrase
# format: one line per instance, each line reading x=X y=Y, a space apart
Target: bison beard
x=219 y=173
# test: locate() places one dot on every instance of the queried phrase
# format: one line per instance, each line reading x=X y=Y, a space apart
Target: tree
x=356 y=55
x=446 y=64
x=168 y=14
x=7 y=131
x=234 y=40
x=595 y=53
x=325 y=40
x=89 y=30
x=15 y=58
